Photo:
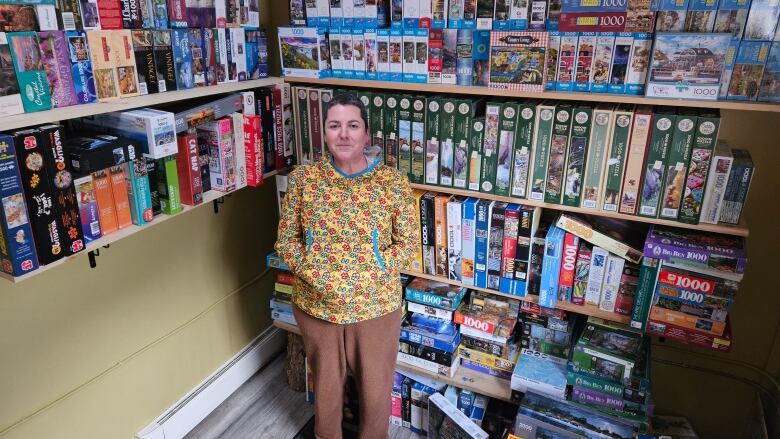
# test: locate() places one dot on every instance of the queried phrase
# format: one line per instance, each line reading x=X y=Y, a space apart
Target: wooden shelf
x=76 y=111
x=588 y=310
x=566 y=96
x=740 y=230
x=111 y=238
x=468 y=379
x=287 y=327
x=464 y=378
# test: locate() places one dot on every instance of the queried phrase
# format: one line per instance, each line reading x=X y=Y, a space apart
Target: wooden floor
x=264 y=407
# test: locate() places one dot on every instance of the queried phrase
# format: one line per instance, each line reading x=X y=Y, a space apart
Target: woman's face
x=346 y=133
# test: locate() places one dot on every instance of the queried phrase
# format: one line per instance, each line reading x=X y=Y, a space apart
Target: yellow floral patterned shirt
x=346 y=237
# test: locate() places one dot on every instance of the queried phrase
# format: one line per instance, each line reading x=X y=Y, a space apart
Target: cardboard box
x=602 y=63
x=405 y=135
x=182 y=55
x=542 y=134
x=301 y=53
x=748 y=70
x=698 y=85
x=168 y=185
x=490 y=148
x=10 y=98
x=577 y=153
x=17 y=247
x=521 y=158
x=558 y=148
x=417 y=174
x=218 y=135
x=143 y=47
x=88 y=208
x=105 y=202
x=616 y=157
x=138 y=191
x=447 y=138
x=54 y=56
x=567 y=61
x=621 y=59
x=664 y=123
x=518 y=51
x=120 y=193
x=32 y=81
x=475 y=153
x=468 y=241
x=586 y=49
x=50 y=139
x=188 y=169
x=704 y=141
x=596 y=162
x=464 y=114
x=635 y=160
x=127 y=74
x=432 y=140
x=506 y=145
x=164 y=60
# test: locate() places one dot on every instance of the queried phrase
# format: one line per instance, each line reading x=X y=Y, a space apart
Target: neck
x=351 y=167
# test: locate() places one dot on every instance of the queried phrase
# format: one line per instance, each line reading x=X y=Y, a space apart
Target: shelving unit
x=111 y=238
x=740 y=230
x=588 y=310
x=463 y=378
x=76 y=111
x=564 y=96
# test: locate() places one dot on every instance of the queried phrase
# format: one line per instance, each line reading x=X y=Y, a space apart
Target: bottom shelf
x=464 y=378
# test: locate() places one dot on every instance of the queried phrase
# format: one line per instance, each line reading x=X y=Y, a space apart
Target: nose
x=343 y=133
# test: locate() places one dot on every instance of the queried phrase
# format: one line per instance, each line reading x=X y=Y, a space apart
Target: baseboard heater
x=189 y=411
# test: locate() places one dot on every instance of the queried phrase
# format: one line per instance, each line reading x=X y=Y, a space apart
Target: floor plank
x=265 y=407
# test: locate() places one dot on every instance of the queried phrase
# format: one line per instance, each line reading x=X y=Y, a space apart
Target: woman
x=348 y=226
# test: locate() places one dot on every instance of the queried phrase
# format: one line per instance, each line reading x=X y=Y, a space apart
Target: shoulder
x=304 y=173
x=393 y=180
x=390 y=176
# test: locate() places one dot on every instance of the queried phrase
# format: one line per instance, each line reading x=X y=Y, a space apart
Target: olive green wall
x=99 y=353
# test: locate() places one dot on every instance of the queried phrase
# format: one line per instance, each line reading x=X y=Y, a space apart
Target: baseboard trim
x=188 y=412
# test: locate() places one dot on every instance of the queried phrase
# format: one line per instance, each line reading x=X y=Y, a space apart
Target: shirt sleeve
x=406 y=229
x=290 y=243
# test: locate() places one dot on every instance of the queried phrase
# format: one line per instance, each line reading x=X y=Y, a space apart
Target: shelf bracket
x=220 y=200
x=217 y=202
x=92 y=255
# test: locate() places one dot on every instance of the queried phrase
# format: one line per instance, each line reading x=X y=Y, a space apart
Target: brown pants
x=368 y=349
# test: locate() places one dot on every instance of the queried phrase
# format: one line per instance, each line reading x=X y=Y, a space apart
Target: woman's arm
x=290 y=242
x=406 y=228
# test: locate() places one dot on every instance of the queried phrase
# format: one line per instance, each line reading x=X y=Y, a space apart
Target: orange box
x=687 y=321
x=116 y=178
x=105 y=201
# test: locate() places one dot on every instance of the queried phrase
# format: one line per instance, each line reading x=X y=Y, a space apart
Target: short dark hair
x=348 y=99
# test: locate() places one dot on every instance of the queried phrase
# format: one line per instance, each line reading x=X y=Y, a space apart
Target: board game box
x=709 y=251
x=687 y=65
x=748 y=70
x=10 y=98
x=30 y=73
x=517 y=60
x=301 y=52
x=54 y=56
x=17 y=252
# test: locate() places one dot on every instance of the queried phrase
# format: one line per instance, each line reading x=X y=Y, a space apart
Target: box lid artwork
x=720 y=252
x=687 y=65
